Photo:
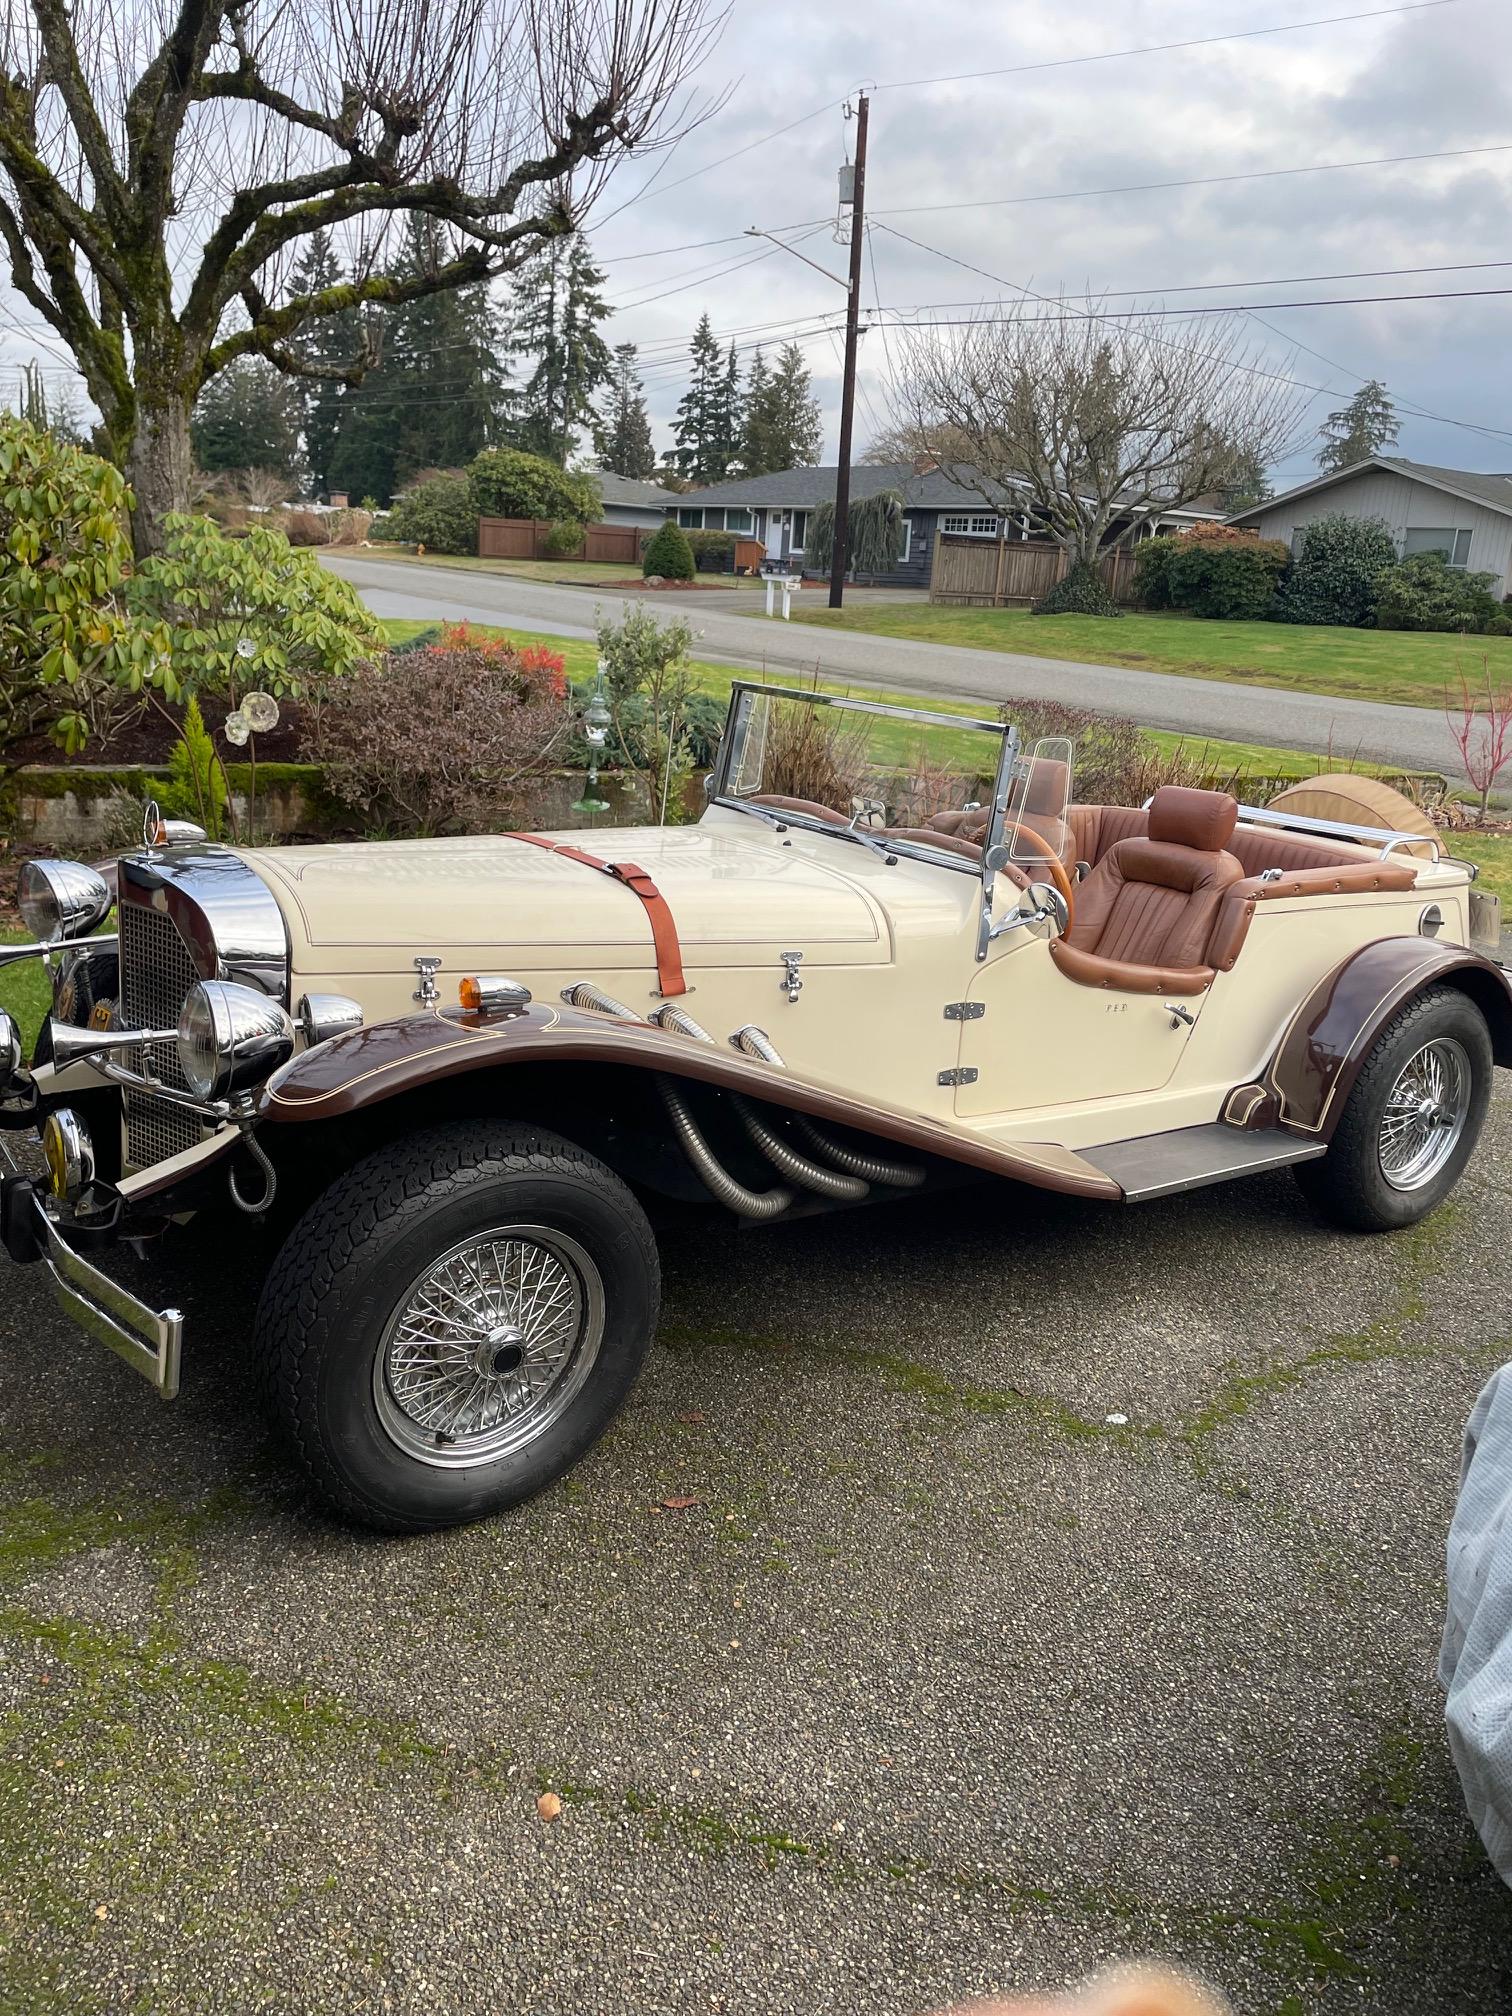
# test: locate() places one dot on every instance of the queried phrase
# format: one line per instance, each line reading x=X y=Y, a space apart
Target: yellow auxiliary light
x=69 y=1154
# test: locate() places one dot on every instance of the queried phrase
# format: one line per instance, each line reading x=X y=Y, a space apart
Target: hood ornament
x=152 y=825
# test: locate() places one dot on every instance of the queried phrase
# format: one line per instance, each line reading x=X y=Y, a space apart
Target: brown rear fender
x=1333 y=1032
x=352 y=1073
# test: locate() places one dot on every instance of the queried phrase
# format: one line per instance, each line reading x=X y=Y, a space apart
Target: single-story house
x=776 y=509
x=627 y=502
x=1462 y=513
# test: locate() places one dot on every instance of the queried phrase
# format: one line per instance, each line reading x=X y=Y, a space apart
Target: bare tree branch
x=1089 y=419
x=158 y=157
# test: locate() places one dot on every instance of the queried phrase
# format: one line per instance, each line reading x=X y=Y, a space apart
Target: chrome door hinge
x=791 y=984
x=958 y=1074
x=965 y=1011
x=427 y=993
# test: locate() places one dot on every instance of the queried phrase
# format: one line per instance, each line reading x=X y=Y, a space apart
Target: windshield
x=892 y=773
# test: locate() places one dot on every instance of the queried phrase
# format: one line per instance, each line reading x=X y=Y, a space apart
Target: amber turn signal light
x=489 y=993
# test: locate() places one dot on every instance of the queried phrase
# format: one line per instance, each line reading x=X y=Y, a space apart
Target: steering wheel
x=1041 y=849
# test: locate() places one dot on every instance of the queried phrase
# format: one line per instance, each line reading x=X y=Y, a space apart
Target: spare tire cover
x=1357 y=801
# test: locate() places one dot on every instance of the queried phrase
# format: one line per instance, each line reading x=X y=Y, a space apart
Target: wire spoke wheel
x=1425 y=1114
x=489 y=1346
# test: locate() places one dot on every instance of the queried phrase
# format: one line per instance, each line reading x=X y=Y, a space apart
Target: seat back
x=1144 y=913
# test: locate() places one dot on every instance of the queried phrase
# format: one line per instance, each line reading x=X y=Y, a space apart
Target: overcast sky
x=1405 y=84
x=1409 y=83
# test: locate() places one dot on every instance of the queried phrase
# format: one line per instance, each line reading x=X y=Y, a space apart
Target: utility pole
x=848 y=382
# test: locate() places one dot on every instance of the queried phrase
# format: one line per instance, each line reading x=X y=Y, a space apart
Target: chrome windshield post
x=992 y=839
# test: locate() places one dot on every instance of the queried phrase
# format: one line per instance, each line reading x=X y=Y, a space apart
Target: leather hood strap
x=669 y=972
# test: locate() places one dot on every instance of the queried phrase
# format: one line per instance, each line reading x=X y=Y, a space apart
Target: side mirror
x=1046 y=905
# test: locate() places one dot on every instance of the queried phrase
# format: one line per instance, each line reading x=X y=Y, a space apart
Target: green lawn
x=1414 y=668
x=24 y=990
x=1492 y=854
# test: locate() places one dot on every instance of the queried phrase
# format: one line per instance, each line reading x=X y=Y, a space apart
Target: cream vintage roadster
x=451 y=1077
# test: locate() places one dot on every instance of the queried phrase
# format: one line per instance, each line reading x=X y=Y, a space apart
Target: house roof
x=804 y=489
x=625 y=490
x=1475 y=486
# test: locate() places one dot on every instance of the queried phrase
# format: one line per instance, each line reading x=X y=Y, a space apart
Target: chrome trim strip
x=864 y=706
x=149 y=1340
x=1387 y=837
x=10 y=955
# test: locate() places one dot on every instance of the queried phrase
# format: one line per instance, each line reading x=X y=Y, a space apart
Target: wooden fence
x=525 y=539
x=980 y=573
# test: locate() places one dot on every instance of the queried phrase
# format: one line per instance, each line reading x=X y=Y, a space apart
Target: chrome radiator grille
x=156 y=974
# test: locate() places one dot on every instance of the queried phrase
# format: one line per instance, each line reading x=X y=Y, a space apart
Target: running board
x=1159 y=1165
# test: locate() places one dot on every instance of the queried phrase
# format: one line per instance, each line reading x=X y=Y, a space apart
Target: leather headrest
x=1186 y=818
x=1048 y=788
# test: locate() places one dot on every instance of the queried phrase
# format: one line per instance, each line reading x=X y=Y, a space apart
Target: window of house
x=907 y=542
x=1452 y=541
x=800 y=527
x=691 y=520
x=1299 y=533
x=970 y=524
x=737 y=521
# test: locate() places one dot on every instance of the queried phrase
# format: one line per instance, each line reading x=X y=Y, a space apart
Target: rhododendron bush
x=455 y=738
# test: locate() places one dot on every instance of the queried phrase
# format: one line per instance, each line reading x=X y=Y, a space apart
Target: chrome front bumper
x=150 y=1340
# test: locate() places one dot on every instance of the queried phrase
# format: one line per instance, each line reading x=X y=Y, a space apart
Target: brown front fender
x=1333 y=1032
x=353 y=1072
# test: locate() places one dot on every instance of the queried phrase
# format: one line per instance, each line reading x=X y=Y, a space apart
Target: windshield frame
x=943 y=857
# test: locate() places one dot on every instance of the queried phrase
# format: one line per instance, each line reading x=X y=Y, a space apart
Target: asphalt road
x=1417 y=738
x=944 y=1681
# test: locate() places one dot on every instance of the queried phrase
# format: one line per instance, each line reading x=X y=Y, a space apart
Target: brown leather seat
x=1144 y=913
x=1042 y=812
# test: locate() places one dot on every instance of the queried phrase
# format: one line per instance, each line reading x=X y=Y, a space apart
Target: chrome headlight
x=231 y=1038
x=62 y=899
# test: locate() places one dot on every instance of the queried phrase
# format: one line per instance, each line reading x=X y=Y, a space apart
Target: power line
x=1224 y=307
x=1254 y=370
x=1165 y=48
x=1194 y=181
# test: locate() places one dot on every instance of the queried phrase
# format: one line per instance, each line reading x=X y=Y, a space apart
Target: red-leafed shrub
x=453 y=739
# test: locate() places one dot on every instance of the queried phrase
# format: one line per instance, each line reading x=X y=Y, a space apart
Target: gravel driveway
x=944 y=1681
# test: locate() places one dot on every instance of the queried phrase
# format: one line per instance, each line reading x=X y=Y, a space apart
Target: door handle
x=1179 y=1014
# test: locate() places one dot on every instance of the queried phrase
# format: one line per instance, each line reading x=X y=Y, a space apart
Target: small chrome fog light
x=62 y=899
x=230 y=1038
x=69 y=1154
x=322 y=1016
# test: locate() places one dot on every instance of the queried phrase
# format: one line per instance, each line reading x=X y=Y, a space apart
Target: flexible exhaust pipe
x=588 y=994
x=717 y=1180
x=795 y=1167
x=891 y=1175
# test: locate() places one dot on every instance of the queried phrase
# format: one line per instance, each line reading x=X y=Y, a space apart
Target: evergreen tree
x=558 y=307
x=1247 y=485
x=439 y=391
x=701 y=430
x=332 y=343
x=783 y=427
x=31 y=395
x=729 y=428
x=247 y=417
x=623 y=436
x=1362 y=428
x=65 y=423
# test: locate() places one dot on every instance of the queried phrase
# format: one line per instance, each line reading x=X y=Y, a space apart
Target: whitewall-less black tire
x=455 y=1322
x=1412 y=1119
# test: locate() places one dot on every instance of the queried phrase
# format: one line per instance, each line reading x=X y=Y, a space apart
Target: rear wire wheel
x=1412 y=1118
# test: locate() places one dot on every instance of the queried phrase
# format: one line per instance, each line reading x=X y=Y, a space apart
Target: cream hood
x=736 y=892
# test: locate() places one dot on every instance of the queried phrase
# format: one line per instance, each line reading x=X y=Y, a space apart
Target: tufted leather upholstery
x=1144 y=913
